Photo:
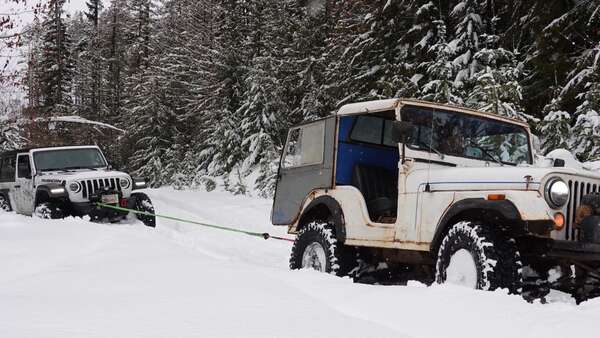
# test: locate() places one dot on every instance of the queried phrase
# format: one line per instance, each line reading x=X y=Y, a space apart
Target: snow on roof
x=368 y=106
x=390 y=104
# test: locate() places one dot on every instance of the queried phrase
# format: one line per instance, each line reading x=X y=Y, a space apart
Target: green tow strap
x=220 y=227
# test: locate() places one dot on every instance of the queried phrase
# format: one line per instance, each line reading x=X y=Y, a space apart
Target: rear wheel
x=316 y=247
x=141 y=202
x=479 y=257
x=4 y=204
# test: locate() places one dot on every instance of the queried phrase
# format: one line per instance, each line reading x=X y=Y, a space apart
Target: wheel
x=479 y=257
x=316 y=247
x=4 y=204
x=141 y=202
x=48 y=210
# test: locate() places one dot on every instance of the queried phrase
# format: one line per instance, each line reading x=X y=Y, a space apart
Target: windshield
x=61 y=159
x=457 y=134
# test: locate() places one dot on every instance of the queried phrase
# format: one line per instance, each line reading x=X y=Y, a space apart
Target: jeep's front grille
x=89 y=187
x=578 y=187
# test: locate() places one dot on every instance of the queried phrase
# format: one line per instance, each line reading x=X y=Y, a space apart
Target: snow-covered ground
x=72 y=278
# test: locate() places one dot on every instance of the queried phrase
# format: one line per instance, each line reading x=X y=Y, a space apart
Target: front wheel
x=48 y=210
x=141 y=202
x=4 y=204
x=316 y=247
x=479 y=257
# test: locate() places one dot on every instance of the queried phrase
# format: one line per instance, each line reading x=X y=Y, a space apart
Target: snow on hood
x=76 y=175
x=560 y=154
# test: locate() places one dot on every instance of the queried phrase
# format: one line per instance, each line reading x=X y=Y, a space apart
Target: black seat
x=379 y=187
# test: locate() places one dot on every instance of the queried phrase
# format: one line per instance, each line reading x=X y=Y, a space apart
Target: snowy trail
x=71 y=278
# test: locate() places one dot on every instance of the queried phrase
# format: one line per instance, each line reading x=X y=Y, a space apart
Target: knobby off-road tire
x=495 y=256
x=317 y=247
x=48 y=210
x=4 y=204
x=141 y=202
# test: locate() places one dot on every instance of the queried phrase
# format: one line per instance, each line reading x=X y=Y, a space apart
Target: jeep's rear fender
x=358 y=228
x=324 y=208
x=502 y=213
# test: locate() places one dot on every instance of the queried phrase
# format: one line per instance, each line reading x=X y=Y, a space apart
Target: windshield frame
x=44 y=150
x=479 y=115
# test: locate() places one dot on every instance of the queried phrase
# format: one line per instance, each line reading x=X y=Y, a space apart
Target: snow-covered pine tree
x=555 y=128
x=10 y=134
x=56 y=61
x=586 y=132
x=584 y=80
x=466 y=15
x=309 y=95
x=419 y=39
x=441 y=71
x=264 y=111
x=152 y=131
x=369 y=61
x=116 y=37
x=95 y=62
x=496 y=86
x=228 y=59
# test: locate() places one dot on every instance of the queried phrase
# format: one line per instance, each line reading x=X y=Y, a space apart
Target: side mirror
x=401 y=131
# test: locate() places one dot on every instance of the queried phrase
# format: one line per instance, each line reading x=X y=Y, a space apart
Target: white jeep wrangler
x=449 y=193
x=68 y=181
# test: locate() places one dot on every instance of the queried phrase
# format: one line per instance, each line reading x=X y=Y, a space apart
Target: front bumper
x=97 y=213
x=546 y=248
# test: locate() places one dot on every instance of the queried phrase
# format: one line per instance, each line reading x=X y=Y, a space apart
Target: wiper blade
x=431 y=148
x=486 y=152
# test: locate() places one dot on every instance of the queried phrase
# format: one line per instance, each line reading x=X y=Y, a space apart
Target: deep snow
x=72 y=278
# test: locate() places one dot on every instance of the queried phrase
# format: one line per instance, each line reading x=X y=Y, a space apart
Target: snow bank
x=72 y=278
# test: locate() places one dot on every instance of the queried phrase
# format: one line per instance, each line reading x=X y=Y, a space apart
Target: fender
x=479 y=207
x=54 y=190
x=330 y=206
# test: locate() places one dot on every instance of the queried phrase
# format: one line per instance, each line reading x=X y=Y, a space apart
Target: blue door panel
x=351 y=154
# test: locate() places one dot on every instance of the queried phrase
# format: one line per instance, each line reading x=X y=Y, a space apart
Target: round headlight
x=557 y=193
x=75 y=187
x=125 y=183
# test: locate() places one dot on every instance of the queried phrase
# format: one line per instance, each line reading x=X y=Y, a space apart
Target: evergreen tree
x=94 y=60
x=153 y=133
x=441 y=71
x=465 y=45
x=496 y=86
x=423 y=35
x=585 y=82
x=56 y=62
x=369 y=61
x=555 y=129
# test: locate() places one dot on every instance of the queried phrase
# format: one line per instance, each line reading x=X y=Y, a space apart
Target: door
x=306 y=164
x=24 y=197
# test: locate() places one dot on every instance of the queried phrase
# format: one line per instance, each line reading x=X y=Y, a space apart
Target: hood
x=494 y=178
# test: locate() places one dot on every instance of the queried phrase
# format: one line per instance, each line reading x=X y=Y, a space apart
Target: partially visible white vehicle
x=448 y=191
x=57 y=182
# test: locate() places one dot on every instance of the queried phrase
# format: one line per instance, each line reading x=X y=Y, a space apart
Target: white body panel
x=82 y=175
x=22 y=191
x=429 y=184
x=419 y=211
